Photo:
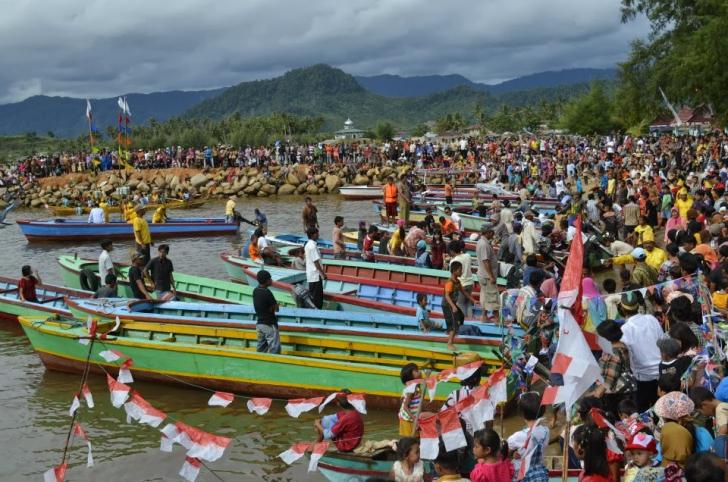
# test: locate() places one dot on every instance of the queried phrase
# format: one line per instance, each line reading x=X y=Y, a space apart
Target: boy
x=266 y=306
x=108 y=290
x=423 y=316
x=709 y=406
x=529 y=406
x=27 y=284
x=611 y=300
x=640 y=450
x=429 y=221
x=447 y=466
x=345 y=428
x=672 y=363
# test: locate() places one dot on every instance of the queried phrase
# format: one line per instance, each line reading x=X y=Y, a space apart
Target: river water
x=34 y=402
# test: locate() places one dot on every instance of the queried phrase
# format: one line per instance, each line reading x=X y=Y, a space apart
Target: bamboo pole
x=565 y=461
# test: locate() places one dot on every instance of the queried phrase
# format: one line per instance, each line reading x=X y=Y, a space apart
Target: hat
x=674 y=406
x=629 y=301
x=421 y=244
x=486 y=227
x=466 y=358
x=639 y=254
x=642 y=441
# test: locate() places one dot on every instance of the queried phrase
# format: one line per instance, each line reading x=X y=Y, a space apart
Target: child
x=628 y=416
x=299 y=258
x=709 y=406
x=672 y=363
x=454 y=316
x=27 y=284
x=590 y=446
x=447 y=466
x=641 y=450
x=611 y=300
x=429 y=221
x=529 y=406
x=492 y=466
x=411 y=401
x=408 y=467
x=367 y=249
x=423 y=316
x=362 y=234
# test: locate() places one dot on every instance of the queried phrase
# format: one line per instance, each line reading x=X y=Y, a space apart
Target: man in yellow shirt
x=654 y=256
x=160 y=215
x=683 y=203
x=230 y=209
x=643 y=232
x=142 y=236
x=105 y=207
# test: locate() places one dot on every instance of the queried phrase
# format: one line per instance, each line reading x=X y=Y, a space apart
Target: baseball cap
x=639 y=254
x=642 y=441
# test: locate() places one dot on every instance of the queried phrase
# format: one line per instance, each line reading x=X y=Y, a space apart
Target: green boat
x=50 y=300
x=225 y=359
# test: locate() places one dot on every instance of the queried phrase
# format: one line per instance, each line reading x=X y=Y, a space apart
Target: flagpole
x=565 y=461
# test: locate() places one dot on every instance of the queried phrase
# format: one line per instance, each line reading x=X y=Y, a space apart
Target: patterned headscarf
x=674 y=406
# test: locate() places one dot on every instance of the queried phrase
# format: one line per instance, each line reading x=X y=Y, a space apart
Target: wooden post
x=565 y=461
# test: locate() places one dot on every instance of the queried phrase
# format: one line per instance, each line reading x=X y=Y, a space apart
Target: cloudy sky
x=98 y=48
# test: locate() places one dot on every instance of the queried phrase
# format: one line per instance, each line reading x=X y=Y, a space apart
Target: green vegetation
x=16 y=147
x=589 y=114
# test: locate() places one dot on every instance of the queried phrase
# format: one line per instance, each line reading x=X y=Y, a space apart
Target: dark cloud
x=103 y=48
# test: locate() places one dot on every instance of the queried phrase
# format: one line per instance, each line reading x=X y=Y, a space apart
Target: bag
x=626 y=383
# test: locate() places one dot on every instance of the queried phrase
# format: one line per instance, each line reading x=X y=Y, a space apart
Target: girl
x=493 y=464
x=590 y=447
x=453 y=315
x=408 y=467
x=437 y=250
x=411 y=400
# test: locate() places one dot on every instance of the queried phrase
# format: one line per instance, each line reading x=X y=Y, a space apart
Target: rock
x=268 y=188
x=286 y=189
x=250 y=189
x=35 y=203
x=198 y=180
x=256 y=185
x=132 y=183
x=262 y=194
x=376 y=182
x=113 y=180
x=292 y=179
x=143 y=187
x=108 y=189
x=301 y=189
x=241 y=183
x=361 y=180
x=312 y=189
x=159 y=181
x=252 y=172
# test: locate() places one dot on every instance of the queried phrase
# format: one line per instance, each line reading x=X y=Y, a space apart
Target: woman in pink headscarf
x=674 y=222
x=595 y=310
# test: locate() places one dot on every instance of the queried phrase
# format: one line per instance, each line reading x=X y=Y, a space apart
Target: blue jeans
x=269 y=340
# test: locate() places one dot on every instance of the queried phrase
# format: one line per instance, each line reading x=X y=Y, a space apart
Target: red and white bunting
x=201 y=444
x=498 y=386
x=259 y=405
x=91 y=325
x=190 y=469
x=411 y=386
x=358 y=402
x=74 y=405
x=84 y=341
x=318 y=450
x=476 y=408
x=119 y=391
x=112 y=355
x=221 y=399
x=613 y=434
x=530 y=449
x=461 y=373
x=86 y=392
x=429 y=441
x=56 y=474
x=327 y=400
x=452 y=432
x=298 y=406
x=294 y=453
x=125 y=373
x=166 y=444
x=79 y=432
x=142 y=411
x=430 y=382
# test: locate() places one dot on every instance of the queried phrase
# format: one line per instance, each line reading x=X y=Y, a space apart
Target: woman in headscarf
x=595 y=310
x=673 y=222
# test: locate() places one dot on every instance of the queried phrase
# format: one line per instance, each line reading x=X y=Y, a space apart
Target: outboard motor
x=302 y=296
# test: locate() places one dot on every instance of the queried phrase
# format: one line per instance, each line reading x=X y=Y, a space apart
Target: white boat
x=357 y=193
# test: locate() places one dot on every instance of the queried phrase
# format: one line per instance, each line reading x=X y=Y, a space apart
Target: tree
x=384 y=131
x=51 y=134
x=589 y=114
x=504 y=120
x=419 y=130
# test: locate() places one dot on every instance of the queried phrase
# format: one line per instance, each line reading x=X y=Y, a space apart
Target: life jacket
x=390 y=193
x=254 y=252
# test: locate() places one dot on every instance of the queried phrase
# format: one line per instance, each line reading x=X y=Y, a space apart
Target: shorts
x=406 y=428
x=448 y=199
x=489 y=295
x=391 y=209
x=453 y=321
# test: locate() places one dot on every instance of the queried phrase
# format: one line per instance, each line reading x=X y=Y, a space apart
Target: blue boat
x=73 y=230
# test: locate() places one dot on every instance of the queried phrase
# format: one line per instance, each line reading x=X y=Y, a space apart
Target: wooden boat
x=50 y=300
x=353 y=236
x=361 y=193
x=290 y=239
x=225 y=359
x=293 y=320
x=169 y=204
x=189 y=288
x=71 y=230
x=287 y=242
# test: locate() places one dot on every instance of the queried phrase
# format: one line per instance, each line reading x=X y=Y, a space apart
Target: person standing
x=136 y=278
x=338 y=239
x=309 y=215
x=391 y=195
x=97 y=215
x=142 y=236
x=464 y=299
x=487 y=274
x=529 y=238
x=631 y=214
x=315 y=274
x=160 y=270
x=106 y=265
x=405 y=199
x=230 y=209
x=266 y=307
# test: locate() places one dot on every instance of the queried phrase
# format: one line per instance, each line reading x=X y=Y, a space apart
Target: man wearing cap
x=487 y=273
x=640 y=333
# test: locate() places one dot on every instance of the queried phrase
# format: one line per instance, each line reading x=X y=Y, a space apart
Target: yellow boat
x=170 y=204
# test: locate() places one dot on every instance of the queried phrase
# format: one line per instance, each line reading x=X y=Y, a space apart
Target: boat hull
x=51 y=300
x=361 y=193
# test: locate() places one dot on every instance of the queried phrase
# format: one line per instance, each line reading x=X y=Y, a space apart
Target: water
x=34 y=402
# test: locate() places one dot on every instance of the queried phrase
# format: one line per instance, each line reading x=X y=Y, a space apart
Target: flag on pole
x=669 y=106
x=74 y=405
x=56 y=474
x=88 y=110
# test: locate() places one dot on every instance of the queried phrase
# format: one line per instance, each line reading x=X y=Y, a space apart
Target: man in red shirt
x=27 y=284
x=344 y=428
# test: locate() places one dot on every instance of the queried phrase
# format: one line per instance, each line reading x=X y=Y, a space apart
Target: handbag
x=626 y=383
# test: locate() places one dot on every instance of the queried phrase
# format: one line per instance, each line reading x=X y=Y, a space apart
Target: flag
x=296 y=451
x=476 y=408
x=358 y=402
x=126 y=109
x=451 y=430
x=259 y=405
x=79 y=432
x=498 y=386
x=86 y=392
x=112 y=355
x=298 y=406
x=56 y=474
x=190 y=469
x=199 y=444
x=89 y=116
x=119 y=391
x=429 y=441
x=430 y=382
x=221 y=399
x=461 y=373
x=166 y=444
x=614 y=434
x=125 y=373
x=678 y=121
x=74 y=406
x=327 y=400
x=318 y=450
x=570 y=293
x=121 y=102
x=142 y=411
x=530 y=449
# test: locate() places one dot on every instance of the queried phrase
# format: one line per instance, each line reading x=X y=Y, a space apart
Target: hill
x=66 y=116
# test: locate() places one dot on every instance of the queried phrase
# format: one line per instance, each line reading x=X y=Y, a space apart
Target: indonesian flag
x=296 y=451
x=199 y=444
x=451 y=430
x=259 y=405
x=91 y=326
x=530 y=449
x=431 y=383
x=86 y=392
x=74 y=406
x=56 y=474
x=166 y=444
x=79 y=432
x=119 y=391
x=190 y=469
x=221 y=399
x=461 y=373
x=318 y=450
x=601 y=422
x=327 y=401
x=142 y=411
x=298 y=406
x=498 y=386
x=125 y=373
x=358 y=402
x=429 y=442
x=112 y=355
x=476 y=408
x=570 y=293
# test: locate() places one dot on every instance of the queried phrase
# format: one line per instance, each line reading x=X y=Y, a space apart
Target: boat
x=169 y=204
x=289 y=239
x=72 y=230
x=353 y=236
x=361 y=193
x=290 y=320
x=50 y=300
x=225 y=359
x=189 y=288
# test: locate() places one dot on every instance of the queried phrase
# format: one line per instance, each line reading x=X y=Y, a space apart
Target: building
x=692 y=121
x=349 y=132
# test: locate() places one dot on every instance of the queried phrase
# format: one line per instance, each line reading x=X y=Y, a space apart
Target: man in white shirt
x=315 y=274
x=267 y=252
x=640 y=333
x=106 y=265
x=96 y=216
x=529 y=238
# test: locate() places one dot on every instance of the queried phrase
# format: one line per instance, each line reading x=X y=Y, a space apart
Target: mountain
x=66 y=116
x=396 y=86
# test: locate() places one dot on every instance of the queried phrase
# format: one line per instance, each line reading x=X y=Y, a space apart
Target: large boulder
x=262 y=194
x=361 y=180
x=312 y=189
x=35 y=203
x=108 y=189
x=199 y=180
x=301 y=189
x=287 y=189
x=143 y=187
x=241 y=183
x=332 y=182
x=293 y=179
x=160 y=181
x=250 y=189
x=268 y=188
